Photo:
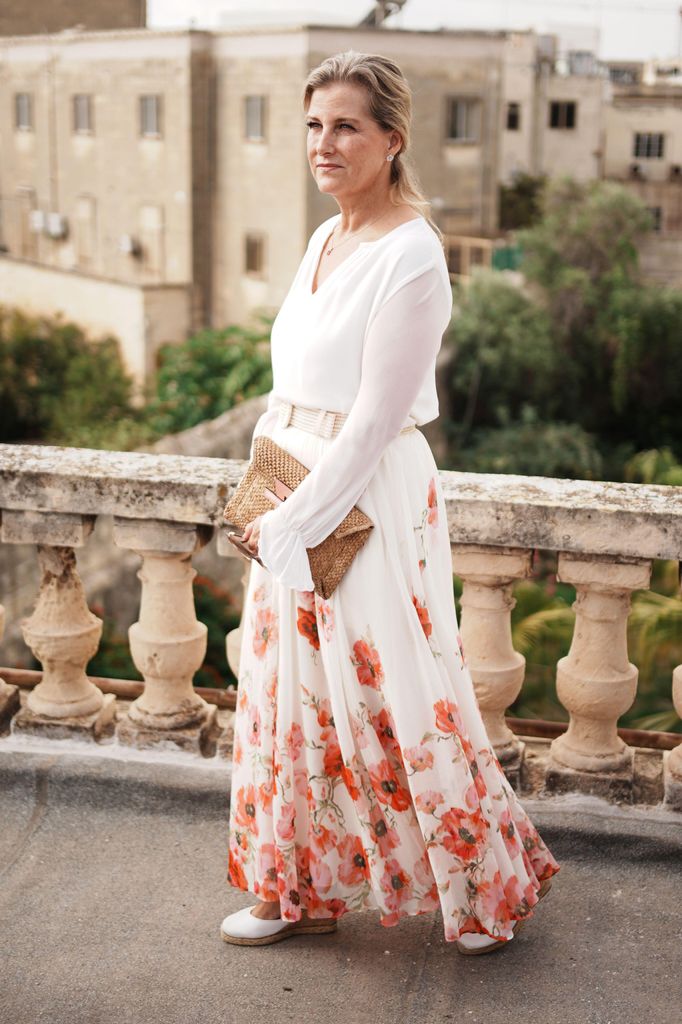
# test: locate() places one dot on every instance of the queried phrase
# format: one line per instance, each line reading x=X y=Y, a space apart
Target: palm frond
x=557 y=621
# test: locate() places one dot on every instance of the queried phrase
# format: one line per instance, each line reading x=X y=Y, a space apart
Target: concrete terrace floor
x=112 y=889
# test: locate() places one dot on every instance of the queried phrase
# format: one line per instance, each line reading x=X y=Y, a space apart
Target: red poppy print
x=353 y=863
x=307 y=627
x=362 y=773
x=246 y=808
x=388 y=788
x=265 y=632
x=367 y=664
x=385 y=836
x=428 y=801
x=463 y=832
x=420 y=758
x=325 y=617
x=396 y=884
x=423 y=613
x=448 y=718
x=432 y=503
x=253 y=733
x=286 y=823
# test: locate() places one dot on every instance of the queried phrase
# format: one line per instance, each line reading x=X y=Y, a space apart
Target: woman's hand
x=251 y=534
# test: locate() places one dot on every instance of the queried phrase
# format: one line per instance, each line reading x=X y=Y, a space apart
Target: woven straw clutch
x=271 y=467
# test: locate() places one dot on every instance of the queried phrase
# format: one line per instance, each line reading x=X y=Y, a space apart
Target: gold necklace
x=341 y=244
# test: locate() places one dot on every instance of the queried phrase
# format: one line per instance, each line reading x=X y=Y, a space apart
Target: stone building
x=644 y=153
x=555 y=102
x=153 y=182
x=18 y=18
x=106 y=169
x=156 y=182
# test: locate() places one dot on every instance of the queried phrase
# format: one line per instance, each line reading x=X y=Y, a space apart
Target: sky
x=620 y=29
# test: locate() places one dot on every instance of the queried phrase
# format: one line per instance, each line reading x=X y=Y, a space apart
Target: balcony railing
x=165 y=508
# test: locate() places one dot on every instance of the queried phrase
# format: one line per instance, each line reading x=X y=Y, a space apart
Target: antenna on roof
x=382 y=10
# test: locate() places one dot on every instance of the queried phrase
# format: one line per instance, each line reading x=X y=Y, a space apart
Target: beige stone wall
x=191 y=197
x=137 y=186
x=576 y=151
x=466 y=64
x=519 y=149
x=661 y=260
x=142 y=318
x=18 y=18
x=643 y=112
x=259 y=186
x=652 y=110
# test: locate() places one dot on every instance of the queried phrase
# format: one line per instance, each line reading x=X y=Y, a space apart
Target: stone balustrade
x=166 y=507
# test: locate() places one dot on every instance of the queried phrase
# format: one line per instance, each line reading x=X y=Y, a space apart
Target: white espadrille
x=245 y=929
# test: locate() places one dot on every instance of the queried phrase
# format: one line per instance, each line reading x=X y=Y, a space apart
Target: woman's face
x=347 y=149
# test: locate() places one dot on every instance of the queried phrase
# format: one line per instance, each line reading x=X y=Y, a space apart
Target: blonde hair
x=390 y=105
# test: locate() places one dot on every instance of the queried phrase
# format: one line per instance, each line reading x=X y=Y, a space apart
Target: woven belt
x=318 y=421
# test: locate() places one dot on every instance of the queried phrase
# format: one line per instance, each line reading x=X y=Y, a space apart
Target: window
x=23 y=111
x=254 y=118
x=463 y=119
x=648 y=144
x=82 y=114
x=562 y=114
x=150 y=116
x=254 y=253
x=513 y=117
x=657 y=214
x=624 y=75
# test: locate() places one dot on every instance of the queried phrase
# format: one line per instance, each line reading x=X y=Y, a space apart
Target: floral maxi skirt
x=363 y=776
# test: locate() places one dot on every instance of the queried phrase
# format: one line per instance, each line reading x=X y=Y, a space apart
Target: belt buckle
x=284 y=413
x=324 y=423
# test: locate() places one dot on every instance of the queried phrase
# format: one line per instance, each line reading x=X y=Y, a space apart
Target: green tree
x=654 y=466
x=54 y=379
x=521 y=201
x=582 y=256
x=645 y=338
x=532 y=447
x=208 y=374
x=504 y=358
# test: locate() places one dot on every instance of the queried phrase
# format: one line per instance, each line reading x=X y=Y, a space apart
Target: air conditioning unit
x=635 y=171
x=57 y=225
x=36 y=221
x=676 y=172
x=129 y=245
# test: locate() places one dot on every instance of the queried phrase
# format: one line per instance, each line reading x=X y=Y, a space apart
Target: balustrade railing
x=165 y=508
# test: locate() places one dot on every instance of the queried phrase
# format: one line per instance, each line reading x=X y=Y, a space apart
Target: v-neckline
x=318 y=260
x=360 y=246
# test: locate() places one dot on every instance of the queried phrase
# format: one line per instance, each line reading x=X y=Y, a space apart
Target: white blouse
x=365 y=343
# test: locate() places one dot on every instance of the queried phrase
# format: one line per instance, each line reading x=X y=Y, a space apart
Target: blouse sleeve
x=401 y=344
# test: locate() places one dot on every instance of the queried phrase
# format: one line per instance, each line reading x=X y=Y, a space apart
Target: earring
x=390 y=156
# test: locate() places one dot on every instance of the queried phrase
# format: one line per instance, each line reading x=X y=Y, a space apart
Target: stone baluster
x=233 y=640
x=167 y=643
x=596 y=682
x=9 y=695
x=488 y=574
x=62 y=632
x=672 y=759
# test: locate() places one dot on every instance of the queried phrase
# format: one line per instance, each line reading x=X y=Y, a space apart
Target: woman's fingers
x=251 y=533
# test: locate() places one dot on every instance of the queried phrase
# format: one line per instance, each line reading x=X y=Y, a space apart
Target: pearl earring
x=390 y=156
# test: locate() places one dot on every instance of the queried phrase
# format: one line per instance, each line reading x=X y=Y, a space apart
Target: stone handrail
x=166 y=507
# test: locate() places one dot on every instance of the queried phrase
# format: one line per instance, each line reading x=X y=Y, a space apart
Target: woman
x=363 y=776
